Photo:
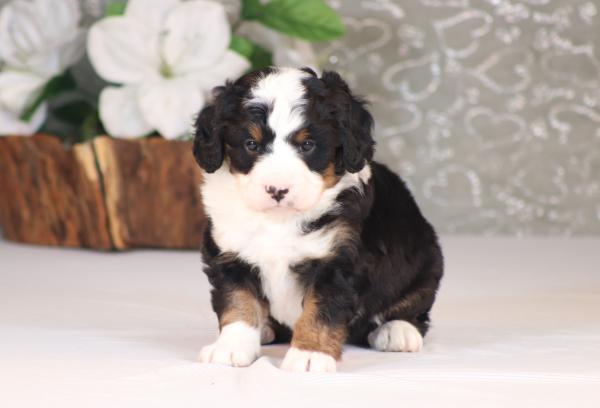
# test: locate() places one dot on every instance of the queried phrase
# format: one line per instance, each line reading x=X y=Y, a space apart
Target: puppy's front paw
x=396 y=335
x=308 y=361
x=238 y=345
x=227 y=354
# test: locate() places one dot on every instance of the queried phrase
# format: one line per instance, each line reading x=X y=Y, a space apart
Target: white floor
x=517 y=323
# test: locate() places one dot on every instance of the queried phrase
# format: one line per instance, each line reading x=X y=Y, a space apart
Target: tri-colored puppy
x=309 y=239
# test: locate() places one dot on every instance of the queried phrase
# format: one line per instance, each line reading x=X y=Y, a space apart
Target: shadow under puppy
x=309 y=239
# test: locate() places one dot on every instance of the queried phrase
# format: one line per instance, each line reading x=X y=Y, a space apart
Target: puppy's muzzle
x=276 y=193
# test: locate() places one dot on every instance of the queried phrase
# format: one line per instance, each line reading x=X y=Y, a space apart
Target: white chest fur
x=271 y=244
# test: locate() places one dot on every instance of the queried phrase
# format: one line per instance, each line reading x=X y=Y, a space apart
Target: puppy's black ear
x=208 y=145
x=354 y=121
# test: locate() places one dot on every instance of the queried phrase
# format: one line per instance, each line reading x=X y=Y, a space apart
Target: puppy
x=309 y=240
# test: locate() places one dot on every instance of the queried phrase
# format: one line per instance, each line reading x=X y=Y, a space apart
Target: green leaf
x=260 y=58
x=91 y=126
x=74 y=112
x=115 y=8
x=74 y=121
x=257 y=55
x=311 y=20
x=54 y=87
x=241 y=45
x=251 y=9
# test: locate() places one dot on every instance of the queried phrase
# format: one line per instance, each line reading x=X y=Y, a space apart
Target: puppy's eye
x=251 y=145
x=307 y=145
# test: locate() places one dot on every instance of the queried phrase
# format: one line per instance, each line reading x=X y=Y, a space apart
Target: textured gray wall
x=489 y=109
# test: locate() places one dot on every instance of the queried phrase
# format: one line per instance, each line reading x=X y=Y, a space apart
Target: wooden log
x=50 y=195
x=152 y=192
x=104 y=194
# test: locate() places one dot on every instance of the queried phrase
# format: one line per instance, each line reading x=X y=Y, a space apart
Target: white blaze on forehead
x=283 y=92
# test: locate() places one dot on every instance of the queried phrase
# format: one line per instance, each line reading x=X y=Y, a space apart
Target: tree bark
x=104 y=194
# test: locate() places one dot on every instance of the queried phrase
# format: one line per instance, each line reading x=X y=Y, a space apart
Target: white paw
x=396 y=335
x=238 y=345
x=308 y=361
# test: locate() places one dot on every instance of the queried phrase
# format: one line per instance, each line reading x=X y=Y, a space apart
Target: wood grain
x=48 y=197
x=105 y=194
x=152 y=192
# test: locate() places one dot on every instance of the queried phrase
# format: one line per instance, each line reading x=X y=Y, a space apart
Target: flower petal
x=11 y=125
x=120 y=113
x=33 y=33
x=151 y=13
x=17 y=89
x=58 y=19
x=45 y=64
x=197 y=35
x=72 y=50
x=170 y=105
x=20 y=33
x=55 y=60
x=230 y=66
x=123 y=50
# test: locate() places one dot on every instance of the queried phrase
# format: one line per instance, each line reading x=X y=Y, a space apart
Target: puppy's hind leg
x=402 y=325
x=396 y=335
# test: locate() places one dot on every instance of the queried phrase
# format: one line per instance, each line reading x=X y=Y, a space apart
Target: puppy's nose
x=276 y=194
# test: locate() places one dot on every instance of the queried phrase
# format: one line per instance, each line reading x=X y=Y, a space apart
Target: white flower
x=167 y=54
x=39 y=39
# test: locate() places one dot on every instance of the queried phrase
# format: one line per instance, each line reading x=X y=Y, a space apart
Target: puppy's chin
x=283 y=209
x=282 y=212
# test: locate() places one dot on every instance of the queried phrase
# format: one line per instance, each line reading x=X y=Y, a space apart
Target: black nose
x=276 y=194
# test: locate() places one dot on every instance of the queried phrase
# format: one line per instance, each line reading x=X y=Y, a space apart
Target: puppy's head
x=286 y=135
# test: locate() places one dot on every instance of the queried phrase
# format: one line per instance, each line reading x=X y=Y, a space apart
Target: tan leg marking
x=310 y=333
x=243 y=306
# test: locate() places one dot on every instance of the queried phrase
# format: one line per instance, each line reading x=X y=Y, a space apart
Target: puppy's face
x=285 y=135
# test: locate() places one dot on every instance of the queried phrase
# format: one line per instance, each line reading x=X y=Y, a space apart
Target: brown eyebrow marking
x=255 y=132
x=300 y=136
x=330 y=179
